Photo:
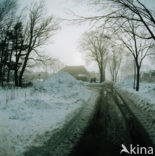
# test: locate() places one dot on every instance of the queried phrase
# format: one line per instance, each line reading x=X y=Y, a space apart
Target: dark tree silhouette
x=139 y=48
x=38 y=30
x=7 y=11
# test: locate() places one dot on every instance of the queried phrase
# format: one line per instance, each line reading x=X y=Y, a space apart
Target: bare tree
x=45 y=63
x=114 y=62
x=95 y=46
x=57 y=66
x=39 y=29
x=127 y=8
x=139 y=48
x=7 y=11
x=20 y=39
x=120 y=11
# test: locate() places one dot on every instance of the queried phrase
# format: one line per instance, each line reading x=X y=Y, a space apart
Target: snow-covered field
x=26 y=115
x=145 y=98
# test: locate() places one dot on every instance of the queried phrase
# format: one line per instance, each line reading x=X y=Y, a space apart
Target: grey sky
x=65 y=42
x=64 y=45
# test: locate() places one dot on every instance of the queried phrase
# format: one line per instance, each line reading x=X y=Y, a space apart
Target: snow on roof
x=82 y=75
x=75 y=70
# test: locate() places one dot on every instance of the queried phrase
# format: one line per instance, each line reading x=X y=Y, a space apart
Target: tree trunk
x=1 y=74
x=114 y=76
x=16 y=77
x=134 y=82
x=101 y=75
x=23 y=69
x=138 y=78
x=8 y=76
x=1 y=68
x=21 y=75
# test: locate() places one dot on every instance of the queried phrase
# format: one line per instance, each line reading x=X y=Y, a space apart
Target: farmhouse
x=79 y=72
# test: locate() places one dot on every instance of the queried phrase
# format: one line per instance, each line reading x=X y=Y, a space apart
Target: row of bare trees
x=132 y=25
x=21 y=36
x=101 y=48
x=95 y=44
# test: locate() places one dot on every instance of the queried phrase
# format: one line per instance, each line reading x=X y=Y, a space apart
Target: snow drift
x=145 y=97
x=24 y=121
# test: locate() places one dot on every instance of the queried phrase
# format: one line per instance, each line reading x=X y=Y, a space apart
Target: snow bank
x=146 y=95
x=62 y=84
x=26 y=121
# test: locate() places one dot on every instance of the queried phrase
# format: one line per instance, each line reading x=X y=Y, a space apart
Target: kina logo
x=137 y=150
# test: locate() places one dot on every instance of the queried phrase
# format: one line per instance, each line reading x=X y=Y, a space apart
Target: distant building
x=79 y=72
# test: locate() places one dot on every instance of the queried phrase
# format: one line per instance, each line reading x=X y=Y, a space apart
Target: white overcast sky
x=64 y=45
x=65 y=42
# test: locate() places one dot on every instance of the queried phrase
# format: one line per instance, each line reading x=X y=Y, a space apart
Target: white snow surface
x=24 y=119
x=145 y=97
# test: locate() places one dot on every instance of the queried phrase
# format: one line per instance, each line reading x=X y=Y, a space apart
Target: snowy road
x=62 y=141
x=61 y=117
x=113 y=124
x=98 y=128
x=40 y=123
